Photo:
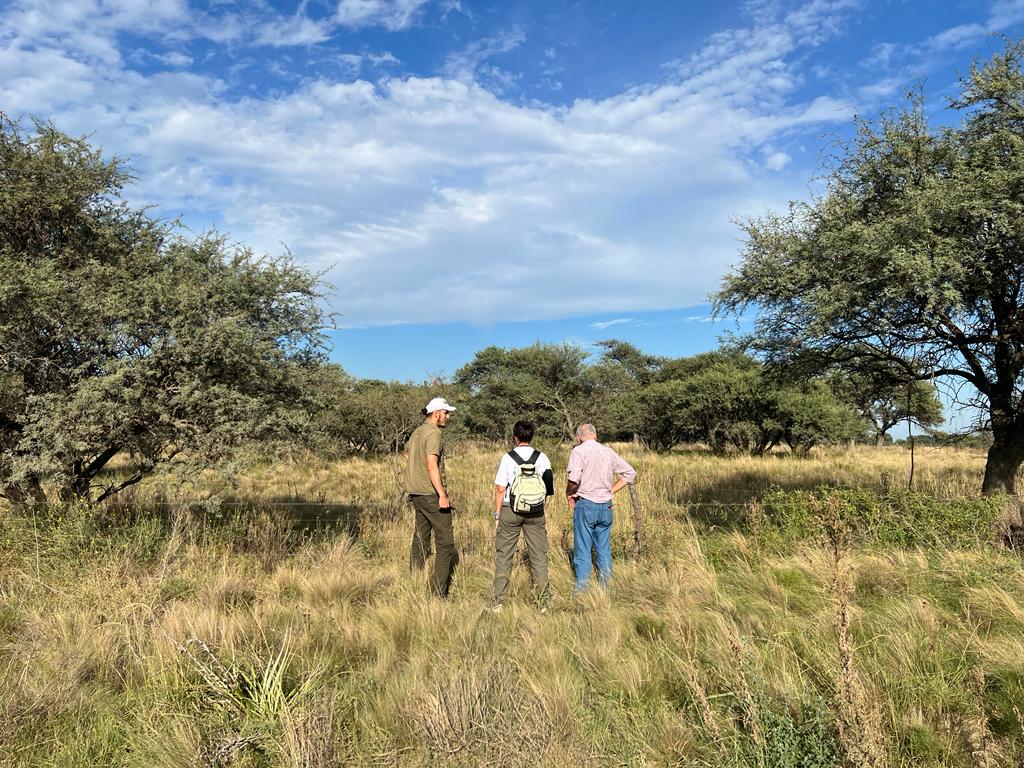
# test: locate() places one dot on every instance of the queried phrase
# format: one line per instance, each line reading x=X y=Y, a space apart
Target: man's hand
x=572 y=501
x=499 y=500
x=443 y=502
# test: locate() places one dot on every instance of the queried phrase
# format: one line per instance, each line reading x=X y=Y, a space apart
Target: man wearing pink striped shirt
x=590 y=490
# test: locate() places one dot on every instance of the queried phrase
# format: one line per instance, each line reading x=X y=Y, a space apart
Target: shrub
x=895 y=518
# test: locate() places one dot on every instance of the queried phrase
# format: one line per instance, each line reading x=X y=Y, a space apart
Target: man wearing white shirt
x=509 y=524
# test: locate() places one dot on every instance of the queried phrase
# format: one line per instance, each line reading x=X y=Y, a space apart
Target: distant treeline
x=723 y=399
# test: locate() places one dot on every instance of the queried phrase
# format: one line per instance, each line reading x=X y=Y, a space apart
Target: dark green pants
x=430 y=520
x=506 y=538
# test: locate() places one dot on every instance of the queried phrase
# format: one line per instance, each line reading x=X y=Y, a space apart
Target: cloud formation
x=609 y=323
x=435 y=198
x=391 y=14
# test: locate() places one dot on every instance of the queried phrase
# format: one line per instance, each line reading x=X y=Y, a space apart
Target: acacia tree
x=726 y=401
x=914 y=257
x=883 y=399
x=120 y=336
x=546 y=382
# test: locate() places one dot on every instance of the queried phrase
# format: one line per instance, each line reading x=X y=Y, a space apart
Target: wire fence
x=357 y=505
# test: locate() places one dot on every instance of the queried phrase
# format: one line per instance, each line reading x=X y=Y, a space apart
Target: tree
x=914 y=257
x=121 y=336
x=727 y=401
x=616 y=382
x=722 y=402
x=547 y=383
x=663 y=417
x=882 y=398
x=637 y=365
x=803 y=416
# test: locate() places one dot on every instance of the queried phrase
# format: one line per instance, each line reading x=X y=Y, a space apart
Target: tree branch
x=111 y=490
x=981 y=381
x=100 y=462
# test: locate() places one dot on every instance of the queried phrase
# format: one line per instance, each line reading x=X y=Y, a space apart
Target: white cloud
x=432 y=198
x=174 y=59
x=776 y=161
x=391 y=14
x=471 y=63
x=959 y=37
x=1002 y=14
x=609 y=323
x=382 y=59
x=292 y=30
x=89 y=28
x=1006 y=13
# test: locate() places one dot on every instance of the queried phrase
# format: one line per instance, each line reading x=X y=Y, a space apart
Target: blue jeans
x=591 y=529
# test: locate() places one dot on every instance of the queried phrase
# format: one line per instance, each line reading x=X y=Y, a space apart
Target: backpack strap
x=520 y=460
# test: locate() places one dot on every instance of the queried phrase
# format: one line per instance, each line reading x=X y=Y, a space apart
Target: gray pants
x=430 y=520
x=506 y=538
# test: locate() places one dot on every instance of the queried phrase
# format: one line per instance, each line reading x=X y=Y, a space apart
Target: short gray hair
x=586 y=430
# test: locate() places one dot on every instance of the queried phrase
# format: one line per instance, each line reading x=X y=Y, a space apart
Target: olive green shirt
x=425 y=440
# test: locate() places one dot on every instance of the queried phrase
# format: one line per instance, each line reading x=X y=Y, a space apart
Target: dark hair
x=523 y=431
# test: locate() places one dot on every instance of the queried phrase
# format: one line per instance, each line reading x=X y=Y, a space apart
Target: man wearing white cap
x=425 y=484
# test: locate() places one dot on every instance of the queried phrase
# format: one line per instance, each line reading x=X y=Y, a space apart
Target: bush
x=896 y=518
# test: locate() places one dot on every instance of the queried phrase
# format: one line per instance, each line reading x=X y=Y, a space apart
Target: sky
x=473 y=173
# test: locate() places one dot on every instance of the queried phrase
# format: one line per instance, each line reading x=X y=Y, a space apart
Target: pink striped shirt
x=592 y=466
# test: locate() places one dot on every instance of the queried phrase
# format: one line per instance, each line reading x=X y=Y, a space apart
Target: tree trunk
x=1004 y=460
x=879 y=440
x=77 y=486
x=82 y=474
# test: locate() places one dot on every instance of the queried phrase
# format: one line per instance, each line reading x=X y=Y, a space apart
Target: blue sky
x=472 y=173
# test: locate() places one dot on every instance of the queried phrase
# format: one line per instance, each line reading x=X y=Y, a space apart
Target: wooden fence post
x=638 y=519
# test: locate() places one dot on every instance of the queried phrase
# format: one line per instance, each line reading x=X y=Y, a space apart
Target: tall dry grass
x=271 y=620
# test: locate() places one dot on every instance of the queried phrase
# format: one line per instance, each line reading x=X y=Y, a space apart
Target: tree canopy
x=913 y=257
x=884 y=396
x=545 y=382
x=120 y=335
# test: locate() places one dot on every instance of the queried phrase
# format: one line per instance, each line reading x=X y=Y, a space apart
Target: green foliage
x=899 y=518
x=722 y=398
x=727 y=401
x=883 y=396
x=663 y=418
x=649 y=627
x=796 y=737
x=912 y=259
x=810 y=415
x=366 y=415
x=118 y=335
x=545 y=383
x=638 y=366
x=974 y=440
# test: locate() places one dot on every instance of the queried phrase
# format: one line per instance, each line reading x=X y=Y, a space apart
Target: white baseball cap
x=439 y=404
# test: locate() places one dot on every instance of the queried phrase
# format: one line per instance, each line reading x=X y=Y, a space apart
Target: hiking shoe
x=496 y=608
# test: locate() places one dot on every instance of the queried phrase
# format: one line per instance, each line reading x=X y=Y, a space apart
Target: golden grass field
x=194 y=624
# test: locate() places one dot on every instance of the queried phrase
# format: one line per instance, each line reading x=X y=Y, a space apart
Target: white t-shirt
x=508 y=469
